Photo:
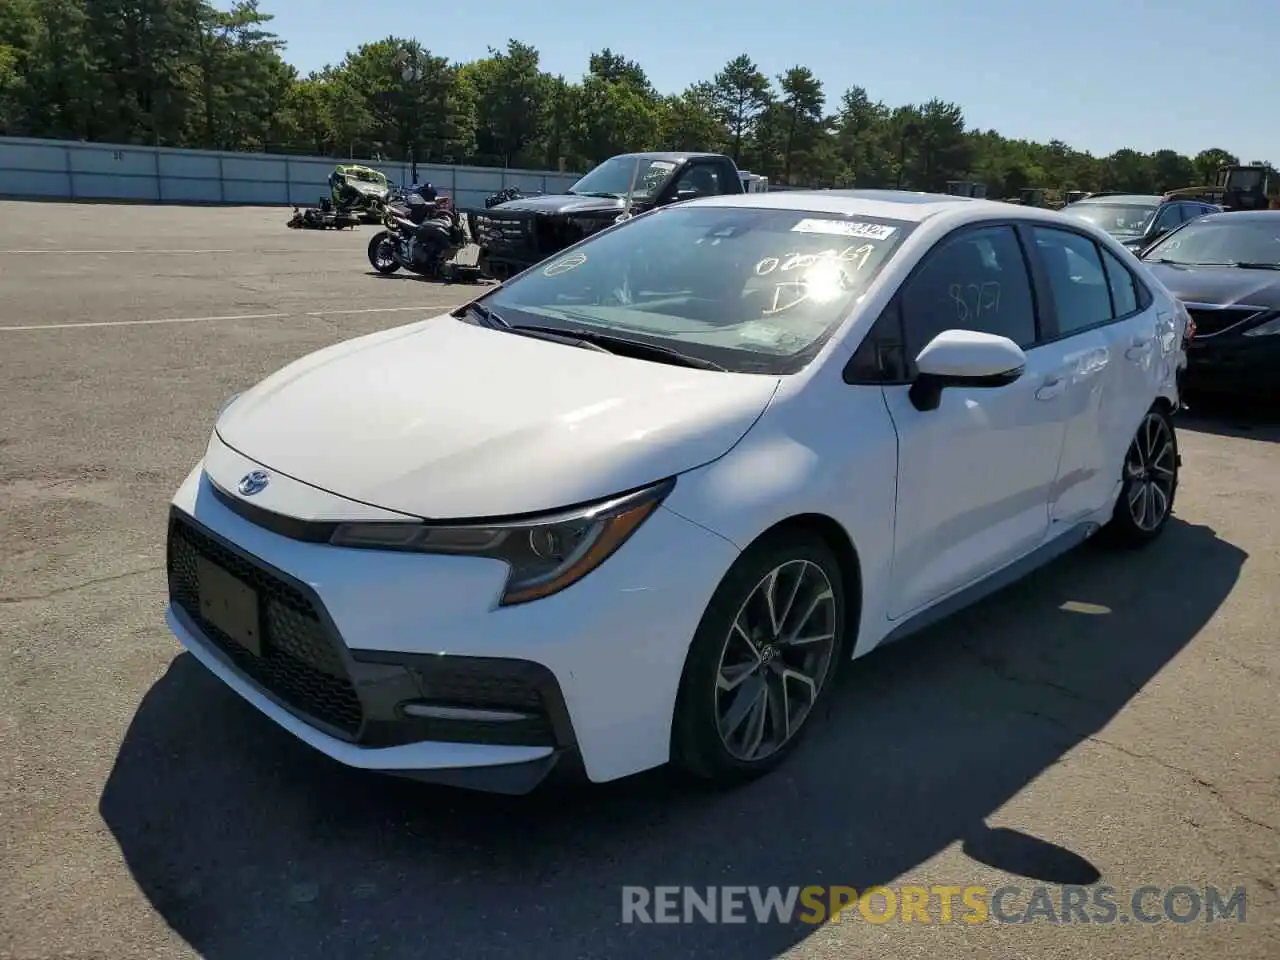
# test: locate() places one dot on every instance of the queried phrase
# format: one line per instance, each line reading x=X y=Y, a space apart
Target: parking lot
x=1113 y=719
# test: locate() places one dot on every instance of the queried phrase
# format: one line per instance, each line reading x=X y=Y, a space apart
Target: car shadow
x=250 y=844
x=1232 y=417
x=438 y=281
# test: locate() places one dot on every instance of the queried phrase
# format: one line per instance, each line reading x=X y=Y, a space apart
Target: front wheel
x=382 y=252
x=761 y=659
x=1149 y=482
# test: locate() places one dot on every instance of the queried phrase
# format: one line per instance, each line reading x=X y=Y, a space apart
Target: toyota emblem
x=254 y=483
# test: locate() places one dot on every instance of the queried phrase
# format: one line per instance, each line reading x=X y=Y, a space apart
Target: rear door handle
x=1139 y=347
x=1050 y=388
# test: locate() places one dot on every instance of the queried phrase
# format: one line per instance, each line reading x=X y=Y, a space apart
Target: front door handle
x=1050 y=388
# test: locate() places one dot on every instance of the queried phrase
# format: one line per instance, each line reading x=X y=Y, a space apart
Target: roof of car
x=888 y=204
x=672 y=156
x=1253 y=216
x=1135 y=199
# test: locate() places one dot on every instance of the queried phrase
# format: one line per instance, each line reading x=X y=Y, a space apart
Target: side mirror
x=964 y=358
x=682 y=195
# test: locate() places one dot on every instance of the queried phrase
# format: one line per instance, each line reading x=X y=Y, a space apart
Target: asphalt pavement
x=1110 y=722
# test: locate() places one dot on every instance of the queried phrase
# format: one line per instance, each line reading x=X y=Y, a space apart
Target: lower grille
x=299 y=662
x=1212 y=320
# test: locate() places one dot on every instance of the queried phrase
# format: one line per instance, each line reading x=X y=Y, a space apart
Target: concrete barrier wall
x=70 y=170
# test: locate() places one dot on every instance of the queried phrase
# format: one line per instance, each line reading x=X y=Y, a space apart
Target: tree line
x=183 y=73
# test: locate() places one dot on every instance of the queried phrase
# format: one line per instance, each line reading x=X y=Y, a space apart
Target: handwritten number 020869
x=794 y=261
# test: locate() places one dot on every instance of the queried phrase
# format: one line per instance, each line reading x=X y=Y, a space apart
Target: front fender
x=830 y=452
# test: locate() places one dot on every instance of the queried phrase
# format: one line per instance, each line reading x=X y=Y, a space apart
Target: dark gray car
x=1225 y=268
x=1137 y=220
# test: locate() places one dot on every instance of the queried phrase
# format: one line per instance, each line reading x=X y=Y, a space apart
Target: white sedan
x=637 y=504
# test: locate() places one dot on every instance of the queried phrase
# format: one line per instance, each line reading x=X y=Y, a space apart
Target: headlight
x=544 y=554
x=1270 y=328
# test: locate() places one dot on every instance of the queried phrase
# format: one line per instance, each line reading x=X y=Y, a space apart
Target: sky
x=1098 y=74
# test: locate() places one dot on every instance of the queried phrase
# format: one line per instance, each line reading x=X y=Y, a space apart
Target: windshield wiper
x=592 y=340
x=491 y=318
x=488 y=315
x=603 y=194
x=1242 y=264
x=612 y=343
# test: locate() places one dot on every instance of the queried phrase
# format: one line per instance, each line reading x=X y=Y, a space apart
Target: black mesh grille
x=1209 y=322
x=300 y=664
x=462 y=684
x=459 y=682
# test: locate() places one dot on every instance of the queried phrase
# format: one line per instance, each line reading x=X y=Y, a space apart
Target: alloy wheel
x=386 y=256
x=775 y=660
x=1150 y=472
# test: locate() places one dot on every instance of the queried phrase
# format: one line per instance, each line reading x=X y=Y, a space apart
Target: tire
x=379 y=262
x=1149 y=483
x=698 y=747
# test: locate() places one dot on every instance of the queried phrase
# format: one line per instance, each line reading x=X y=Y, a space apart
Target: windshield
x=753 y=290
x=1118 y=219
x=362 y=174
x=613 y=177
x=1221 y=242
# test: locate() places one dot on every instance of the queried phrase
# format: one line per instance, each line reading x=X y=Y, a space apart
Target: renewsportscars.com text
x=938 y=904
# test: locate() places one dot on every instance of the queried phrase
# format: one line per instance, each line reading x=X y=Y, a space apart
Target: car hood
x=564 y=204
x=1221 y=286
x=444 y=419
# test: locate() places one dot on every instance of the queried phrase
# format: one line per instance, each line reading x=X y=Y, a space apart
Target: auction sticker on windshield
x=845 y=228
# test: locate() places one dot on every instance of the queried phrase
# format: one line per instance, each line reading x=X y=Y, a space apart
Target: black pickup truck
x=515 y=235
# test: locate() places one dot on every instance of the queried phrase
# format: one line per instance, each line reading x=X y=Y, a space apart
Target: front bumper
x=502 y=266
x=1234 y=363
x=512 y=241
x=585 y=679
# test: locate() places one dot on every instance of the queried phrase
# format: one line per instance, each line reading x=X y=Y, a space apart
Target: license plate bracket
x=230 y=604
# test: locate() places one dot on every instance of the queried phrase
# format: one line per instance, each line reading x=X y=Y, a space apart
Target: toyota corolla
x=636 y=505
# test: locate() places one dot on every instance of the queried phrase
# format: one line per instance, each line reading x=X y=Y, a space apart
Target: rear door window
x=1077 y=279
x=1124 y=290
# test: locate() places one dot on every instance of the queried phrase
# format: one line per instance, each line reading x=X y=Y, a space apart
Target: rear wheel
x=1150 y=482
x=761 y=659
x=382 y=252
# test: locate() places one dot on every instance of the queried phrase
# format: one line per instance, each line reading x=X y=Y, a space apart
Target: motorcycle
x=506 y=194
x=322 y=217
x=424 y=233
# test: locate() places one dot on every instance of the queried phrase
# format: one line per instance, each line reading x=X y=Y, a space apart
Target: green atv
x=360 y=191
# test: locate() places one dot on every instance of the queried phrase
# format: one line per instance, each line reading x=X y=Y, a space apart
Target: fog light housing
x=426 y=710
